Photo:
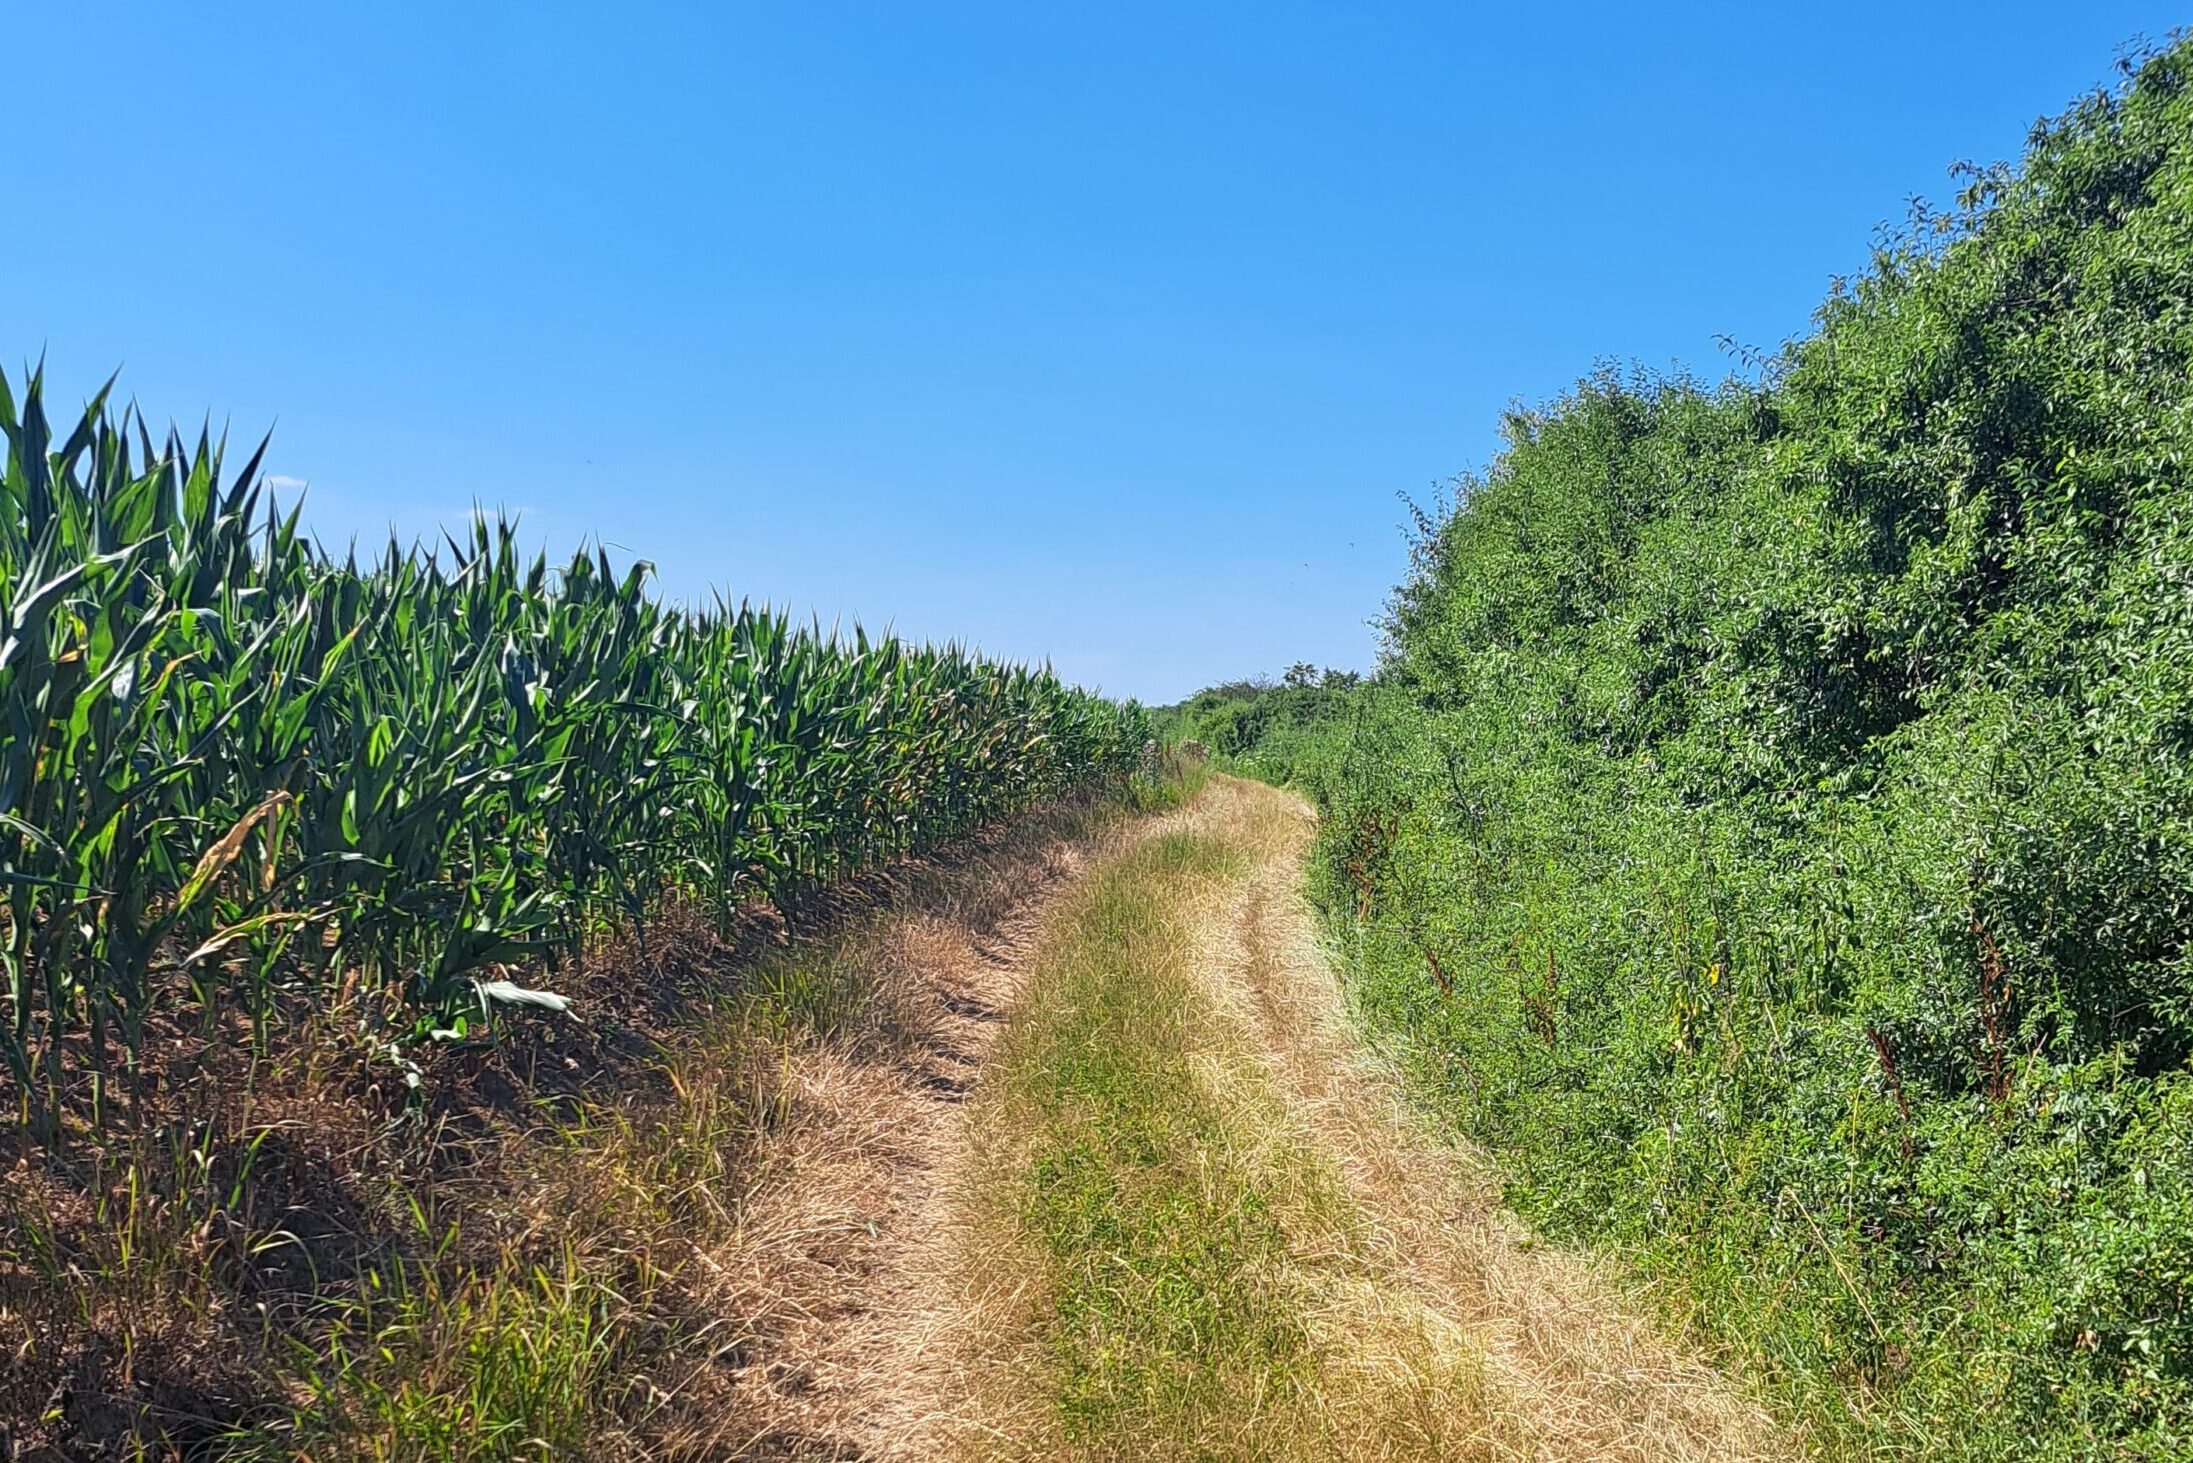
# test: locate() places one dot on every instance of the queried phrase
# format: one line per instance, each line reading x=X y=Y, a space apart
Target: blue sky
x=1103 y=333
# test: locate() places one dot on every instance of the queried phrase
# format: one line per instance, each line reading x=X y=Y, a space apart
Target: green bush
x=1772 y=828
x=1270 y=730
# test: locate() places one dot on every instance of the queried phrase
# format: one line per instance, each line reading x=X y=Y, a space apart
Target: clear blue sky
x=1105 y=333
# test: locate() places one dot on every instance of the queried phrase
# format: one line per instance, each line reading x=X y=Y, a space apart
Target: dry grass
x=831 y=1248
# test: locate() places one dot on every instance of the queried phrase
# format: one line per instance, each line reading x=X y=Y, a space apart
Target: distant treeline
x=1771 y=827
x=1259 y=716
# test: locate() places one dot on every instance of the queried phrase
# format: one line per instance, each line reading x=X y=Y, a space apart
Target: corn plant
x=234 y=768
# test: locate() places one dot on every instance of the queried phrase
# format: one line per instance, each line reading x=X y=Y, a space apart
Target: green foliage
x=1259 y=727
x=1773 y=827
x=230 y=766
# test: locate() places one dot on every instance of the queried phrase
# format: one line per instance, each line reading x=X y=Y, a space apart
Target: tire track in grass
x=1157 y=1260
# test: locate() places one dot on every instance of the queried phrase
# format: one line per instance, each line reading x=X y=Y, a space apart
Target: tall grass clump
x=237 y=773
x=1772 y=826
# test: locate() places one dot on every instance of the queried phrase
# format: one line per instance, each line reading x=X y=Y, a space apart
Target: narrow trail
x=907 y=1325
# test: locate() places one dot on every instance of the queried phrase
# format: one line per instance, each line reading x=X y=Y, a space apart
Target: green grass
x=1171 y=1309
x=1191 y=1244
x=520 y=1363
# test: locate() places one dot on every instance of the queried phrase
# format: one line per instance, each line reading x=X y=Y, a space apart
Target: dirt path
x=867 y=1349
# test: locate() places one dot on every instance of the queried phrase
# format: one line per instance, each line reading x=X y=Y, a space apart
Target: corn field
x=235 y=770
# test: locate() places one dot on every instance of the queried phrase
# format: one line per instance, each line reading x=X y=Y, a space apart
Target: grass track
x=1176 y=1266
